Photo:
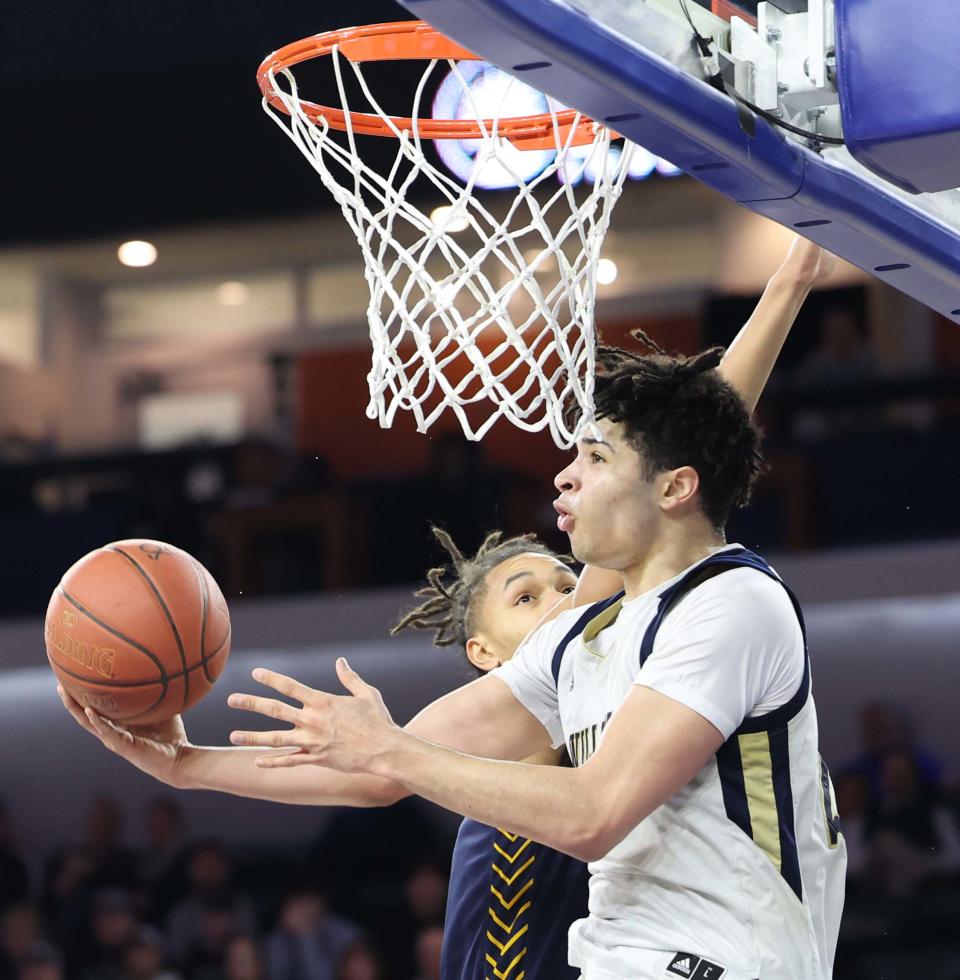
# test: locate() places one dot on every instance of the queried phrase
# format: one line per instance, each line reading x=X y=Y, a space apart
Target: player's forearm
x=752 y=355
x=234 y=770
x=550 y=804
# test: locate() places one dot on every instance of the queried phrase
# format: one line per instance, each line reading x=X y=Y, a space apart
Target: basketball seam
x=220 y=646
x=198 y=571
x=112 y=685
x=120 y=636
x=166 y=612
x=139 y=714
x=132 y=718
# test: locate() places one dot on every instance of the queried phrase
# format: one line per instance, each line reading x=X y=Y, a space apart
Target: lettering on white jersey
x=584 y=743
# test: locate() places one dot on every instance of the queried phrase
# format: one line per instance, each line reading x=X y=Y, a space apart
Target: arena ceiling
x=125 y=117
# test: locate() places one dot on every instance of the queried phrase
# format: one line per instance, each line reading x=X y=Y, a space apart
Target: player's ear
x=480 y=655
x=679 y=488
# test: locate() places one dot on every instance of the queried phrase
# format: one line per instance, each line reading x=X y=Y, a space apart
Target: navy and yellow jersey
x=510 y=905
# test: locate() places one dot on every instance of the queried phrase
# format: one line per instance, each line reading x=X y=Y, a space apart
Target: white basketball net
x=489 y=311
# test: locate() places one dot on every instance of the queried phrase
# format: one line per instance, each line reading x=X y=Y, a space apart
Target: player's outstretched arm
x=651 y=749
x=753 y=353
x=164 y=752
x=482 y=717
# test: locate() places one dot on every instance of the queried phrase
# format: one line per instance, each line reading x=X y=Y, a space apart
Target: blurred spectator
x=76 y=872
x=428 y=951
x=144 y=957
x=280 y=555
x=20 y=930
x=40 y=962
x=243 y=960
x=14 y=882
x=113 y=864
x=913 y=833
x=113 y=926
x=161 y=861
x=261 y=473
x=853 y=805
x=843 y=355
x=886 y=729
x=898 y=827
x=358 y=850
x=458 y=491
x=219 y=921
x=359 y=962
x=66 y=900
x=308 y=941
x=201 y=923
x=426 y=890
x=459 y=488
x=425 y=896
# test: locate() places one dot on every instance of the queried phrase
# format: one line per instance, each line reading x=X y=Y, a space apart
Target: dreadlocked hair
x=679 y=411
x=453 y=591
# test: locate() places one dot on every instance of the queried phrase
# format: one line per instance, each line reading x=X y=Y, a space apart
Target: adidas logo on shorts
x=694 y=968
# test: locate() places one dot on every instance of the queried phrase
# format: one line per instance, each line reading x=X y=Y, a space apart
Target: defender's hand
x=807 y=263
x=154 y=749
x=339 y=732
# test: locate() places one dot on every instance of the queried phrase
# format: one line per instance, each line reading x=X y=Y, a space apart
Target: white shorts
x=658 y=965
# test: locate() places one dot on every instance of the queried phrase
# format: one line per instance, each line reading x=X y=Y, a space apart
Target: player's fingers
x=351 y=680
x=113 y=737
x=273 y=740
x=279 y=710
x=75 y=710
x=287 y=686
x=65 y=696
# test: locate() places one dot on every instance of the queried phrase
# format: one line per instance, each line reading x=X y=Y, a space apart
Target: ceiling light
x=444 y=217
x=137 y=254
x=606 y=271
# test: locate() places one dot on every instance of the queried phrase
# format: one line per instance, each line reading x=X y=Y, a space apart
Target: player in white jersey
x=699 y=797
x=740 y=873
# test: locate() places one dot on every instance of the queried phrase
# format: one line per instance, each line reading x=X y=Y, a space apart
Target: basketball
x=138 y=630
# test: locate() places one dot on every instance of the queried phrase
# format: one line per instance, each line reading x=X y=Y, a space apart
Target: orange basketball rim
x=412 y=40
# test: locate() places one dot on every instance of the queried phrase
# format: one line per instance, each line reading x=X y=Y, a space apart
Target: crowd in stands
x=900 y=816
x=365 y=899
x=182 y=909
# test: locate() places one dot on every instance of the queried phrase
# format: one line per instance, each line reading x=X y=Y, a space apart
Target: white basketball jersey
x=741 y=874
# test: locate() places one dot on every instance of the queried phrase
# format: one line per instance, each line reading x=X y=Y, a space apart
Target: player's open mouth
x=565 y=519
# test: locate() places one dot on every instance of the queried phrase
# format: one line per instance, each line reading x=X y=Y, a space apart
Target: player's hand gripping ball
x=138 y=631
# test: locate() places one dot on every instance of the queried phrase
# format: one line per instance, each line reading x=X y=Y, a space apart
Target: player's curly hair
x=453 y=592
x=679 y=411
